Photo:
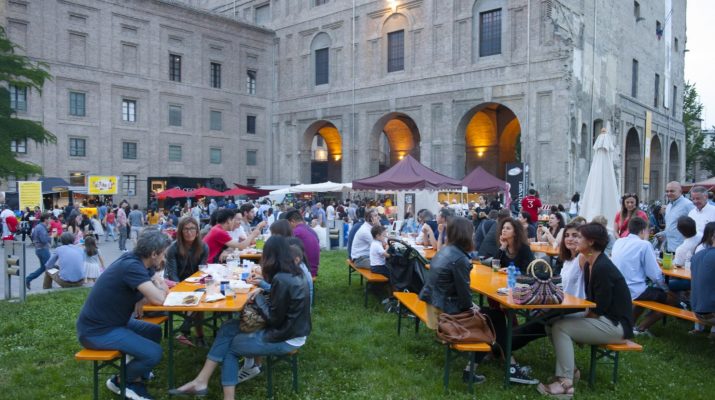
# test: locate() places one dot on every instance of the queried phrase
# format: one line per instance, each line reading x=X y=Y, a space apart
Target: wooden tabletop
x=680 y=273
x=429 y=253
x=544 y=248
x=486 y=282
x=251 y=256
x=226 y=305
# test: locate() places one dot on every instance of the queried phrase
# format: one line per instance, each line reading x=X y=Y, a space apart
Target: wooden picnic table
x=251 y=256
x=679 y=273
x=487 y=283
x=228 y=305
x=547 y=249
x=429 y=252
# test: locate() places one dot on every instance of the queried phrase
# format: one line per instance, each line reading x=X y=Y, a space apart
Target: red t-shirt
x=531 y=204
x=56 y=225
x=110 y=218
x=216 y=239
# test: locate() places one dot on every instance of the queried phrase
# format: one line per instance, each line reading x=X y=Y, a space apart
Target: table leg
x=170 y=360
x=507 y=351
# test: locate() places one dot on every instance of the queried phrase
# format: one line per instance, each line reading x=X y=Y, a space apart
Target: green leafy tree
x=707 y=157
x=21 y=72
x=694 y=138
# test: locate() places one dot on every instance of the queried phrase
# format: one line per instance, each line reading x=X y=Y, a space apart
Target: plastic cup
x=667 y=260
x=496 y=264
x=259 y=243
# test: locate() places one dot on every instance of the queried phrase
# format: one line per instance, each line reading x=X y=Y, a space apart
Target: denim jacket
x=447 y=285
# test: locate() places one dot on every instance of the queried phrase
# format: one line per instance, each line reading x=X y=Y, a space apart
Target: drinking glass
x=496 y=264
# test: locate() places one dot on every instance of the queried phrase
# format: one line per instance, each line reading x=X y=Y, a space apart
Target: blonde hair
x=600 y=219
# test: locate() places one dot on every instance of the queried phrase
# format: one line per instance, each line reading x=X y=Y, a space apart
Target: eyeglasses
x=189 y=229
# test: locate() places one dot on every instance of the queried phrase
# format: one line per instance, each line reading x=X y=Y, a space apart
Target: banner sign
x=30 y=194
x=648 y=137
x=516 y=177
x=102 y=184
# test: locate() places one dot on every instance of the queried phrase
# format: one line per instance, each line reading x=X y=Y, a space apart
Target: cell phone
x=200 y=290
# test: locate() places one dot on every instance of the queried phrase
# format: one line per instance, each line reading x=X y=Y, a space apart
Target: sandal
x=183 y=339
x=558 y=390
x=576 y=377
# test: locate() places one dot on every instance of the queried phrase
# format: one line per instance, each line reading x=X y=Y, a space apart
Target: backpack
x=406 y=266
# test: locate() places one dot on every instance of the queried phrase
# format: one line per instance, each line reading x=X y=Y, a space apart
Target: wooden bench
x=365 y=274
x=418 y=308
x=610 y=352
x=667 y=310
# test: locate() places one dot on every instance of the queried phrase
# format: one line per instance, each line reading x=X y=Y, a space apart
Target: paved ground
x=110 y=252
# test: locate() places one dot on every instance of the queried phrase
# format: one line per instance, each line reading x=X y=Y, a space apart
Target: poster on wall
x=101 y=185
x=30 y=194
x=516 y=177
x=409 y=203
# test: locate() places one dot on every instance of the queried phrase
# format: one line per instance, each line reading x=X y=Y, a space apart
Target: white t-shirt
x=238 y=234
x=702 y=217
x=6 y=213
x=572 y=278
x=685 y=251
x=377 y=253
x=330 y=211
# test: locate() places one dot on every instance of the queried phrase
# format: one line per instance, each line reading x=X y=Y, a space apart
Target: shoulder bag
x=534 y=290
x=469 y=326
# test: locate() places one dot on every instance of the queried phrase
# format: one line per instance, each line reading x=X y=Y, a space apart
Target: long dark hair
x=564 y=253
x=281 y=228
x=624 y=211
x=519 y=233
x=183 y=247
x=90 y=245
x=576 y=198
x=561 y=223
x=277 y=258
x=708 y=234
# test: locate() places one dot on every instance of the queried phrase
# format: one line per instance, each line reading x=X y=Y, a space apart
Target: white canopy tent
x=315 y=188
x=601 y=194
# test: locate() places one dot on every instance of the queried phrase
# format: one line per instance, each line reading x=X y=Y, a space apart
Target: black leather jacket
x=287 y=313
x=447 y=286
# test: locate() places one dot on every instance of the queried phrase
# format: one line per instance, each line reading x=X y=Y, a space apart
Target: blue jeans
x=139 y=339
x=122 y=238
x=678 y=285
x=109 y=232
x=43 y=255
x=231 y=343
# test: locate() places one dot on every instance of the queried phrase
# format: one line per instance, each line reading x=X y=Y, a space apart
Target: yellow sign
x=648 y=136
x=30 y=194
x=102 y=184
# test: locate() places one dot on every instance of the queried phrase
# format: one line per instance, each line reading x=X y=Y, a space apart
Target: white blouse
x=572 y=278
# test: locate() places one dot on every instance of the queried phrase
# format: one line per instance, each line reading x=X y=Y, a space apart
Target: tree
x=694 y=138
x=22 y=73
x=707 y=157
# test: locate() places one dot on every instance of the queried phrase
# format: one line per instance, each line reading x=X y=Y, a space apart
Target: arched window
x=320 y=48
x=395 y=42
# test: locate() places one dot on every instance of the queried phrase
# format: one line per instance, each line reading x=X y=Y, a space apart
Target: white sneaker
x=248 y=373
x=113 y=384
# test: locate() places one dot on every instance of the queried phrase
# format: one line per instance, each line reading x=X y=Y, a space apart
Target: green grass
x=352 y=353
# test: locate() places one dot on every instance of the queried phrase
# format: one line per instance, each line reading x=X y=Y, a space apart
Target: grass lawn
x=352 y=353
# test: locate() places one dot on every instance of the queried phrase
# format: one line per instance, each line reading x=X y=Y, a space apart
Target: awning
x=53 y=185
x=408 y=174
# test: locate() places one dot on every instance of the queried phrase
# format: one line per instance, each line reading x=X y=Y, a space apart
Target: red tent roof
x=408 y=174
x=173 y=193
x=206 y=192
x=254 y=190
x=237 y=191
x=479 y=180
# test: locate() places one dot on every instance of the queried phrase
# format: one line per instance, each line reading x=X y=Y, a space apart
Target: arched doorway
x=326 y=152
x=492 y=134
x=656 y=169
x=632 y=181
x=397 y=135
x=674 y=163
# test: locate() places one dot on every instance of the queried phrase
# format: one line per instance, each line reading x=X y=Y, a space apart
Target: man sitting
x=360 y=251
x=70 y=261
x=634 y=257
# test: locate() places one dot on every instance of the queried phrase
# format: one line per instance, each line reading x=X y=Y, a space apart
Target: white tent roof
x=315 y=187
x=601 y=194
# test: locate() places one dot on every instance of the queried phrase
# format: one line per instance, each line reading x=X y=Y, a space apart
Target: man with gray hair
x=678 y=206
x=106 y=320
x=70 y=261
x=703 y=211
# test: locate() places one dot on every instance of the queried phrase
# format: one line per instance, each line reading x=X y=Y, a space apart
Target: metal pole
x=23 y=273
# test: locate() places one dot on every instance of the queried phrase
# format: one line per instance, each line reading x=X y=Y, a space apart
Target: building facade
x=455 y=83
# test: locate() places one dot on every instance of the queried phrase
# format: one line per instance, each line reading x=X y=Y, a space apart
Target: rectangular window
x=129 y=150
x=215 y=155
x=319 y=141
x=263 y=15
x=490 y=33
x=396 y=51
x=175 y=67
x=78 y=147
x=18 y=146
x=634 y=79
x=216 y=75
x=174 y=152
x=636 y=10
x=216 y=123
x=251 y=181
x=251 y=81
x=251 y=124
x=129 y=110
x=656 y=92
x=320 y=2
x=78 y=179
x=11 y=183
x=322 y=66
x=251 y=157
x=77 y=104
x=675 y=99
x=129 y=185
x=18 y=98
x=174 y=115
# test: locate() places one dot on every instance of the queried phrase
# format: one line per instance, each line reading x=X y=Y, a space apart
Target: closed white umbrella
x=601 y=194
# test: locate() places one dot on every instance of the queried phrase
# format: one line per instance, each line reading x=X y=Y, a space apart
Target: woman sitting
x=553 y=232
x=525 y=221
x=513 y=245
x=629 y=208
x=611 y=321
x=572 y=268
x=183 y=258
x=287 y=316
x=702 y=298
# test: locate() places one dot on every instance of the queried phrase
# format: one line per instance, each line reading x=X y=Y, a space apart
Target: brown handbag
x=469 y=326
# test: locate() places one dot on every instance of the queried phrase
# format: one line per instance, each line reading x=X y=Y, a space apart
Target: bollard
x=15 y=266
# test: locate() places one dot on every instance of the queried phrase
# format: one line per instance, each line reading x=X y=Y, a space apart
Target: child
x=96 y=226
x=378 y=252
x=93 y=261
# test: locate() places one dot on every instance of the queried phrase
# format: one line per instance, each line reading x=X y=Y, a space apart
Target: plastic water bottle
x=511 y=276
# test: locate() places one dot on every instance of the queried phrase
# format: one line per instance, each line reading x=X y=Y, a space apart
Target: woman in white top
x=553 y=232
x=572 y=270
x=687 y=227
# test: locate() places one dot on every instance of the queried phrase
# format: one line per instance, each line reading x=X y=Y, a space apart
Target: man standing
x=311 y=244
x=330 y=212
x=703 y=212
x=105 y=322
x=102 y=212
x=320 y=214
x=678 y=206
x=531 y=204
x=6 y=213
x=136 y=222
x=42 y=241
x=122 y=227
x=70 y=261
x=633 y=255
x=360 y=251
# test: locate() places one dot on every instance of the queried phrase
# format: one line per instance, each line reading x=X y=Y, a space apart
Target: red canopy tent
x=237 y=191
x=708 y=184
x=407 y=174
x=255 y=191
x=206 y=192
x=481 y=181
x=173 y=193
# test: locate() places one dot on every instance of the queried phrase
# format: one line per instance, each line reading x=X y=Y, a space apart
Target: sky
x=700 y=59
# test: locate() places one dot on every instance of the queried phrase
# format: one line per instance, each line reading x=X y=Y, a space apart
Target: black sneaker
x=137 y=391
x=518 y=375
x=476 y=378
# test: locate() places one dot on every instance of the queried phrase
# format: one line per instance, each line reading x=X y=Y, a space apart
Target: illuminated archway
x=396 y=135
x=323 y=140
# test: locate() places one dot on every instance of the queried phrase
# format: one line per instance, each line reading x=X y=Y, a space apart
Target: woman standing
x=629 y=208
x=575 y=205
x=513 y=245
x=553 y=232
x=611 y=321
x=572 y=270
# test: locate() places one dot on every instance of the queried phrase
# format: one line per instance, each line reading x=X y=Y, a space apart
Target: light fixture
x=400 y=156
x=393 y=5
x=320 y=155
x=337 y=157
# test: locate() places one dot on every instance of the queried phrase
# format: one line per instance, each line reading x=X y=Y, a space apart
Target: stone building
x=455 y=83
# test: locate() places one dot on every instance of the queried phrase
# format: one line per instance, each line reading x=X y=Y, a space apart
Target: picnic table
x=228 y=305
x=486 y=282
x=679 y=272
x=540 y=247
